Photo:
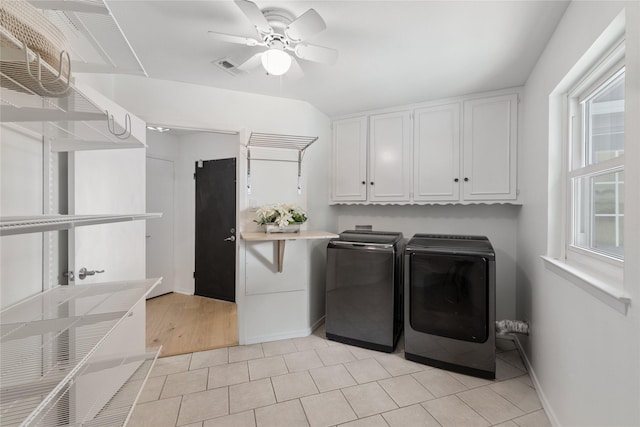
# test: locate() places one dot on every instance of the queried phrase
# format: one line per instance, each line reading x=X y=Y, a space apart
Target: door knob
x=230 y=239
x=83 y=273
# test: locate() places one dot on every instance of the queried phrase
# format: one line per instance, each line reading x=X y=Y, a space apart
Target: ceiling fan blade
x=251 y=63
x=295 y=72
x=307 y=25
x=316 y=53
x=252 y=11
x=235 y=39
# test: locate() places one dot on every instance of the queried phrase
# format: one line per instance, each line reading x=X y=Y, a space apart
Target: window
x=595 y=175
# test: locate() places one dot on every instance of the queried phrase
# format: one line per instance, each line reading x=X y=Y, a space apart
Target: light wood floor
x=187 y=323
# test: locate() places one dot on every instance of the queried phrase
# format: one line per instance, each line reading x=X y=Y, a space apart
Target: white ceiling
x=390 y=52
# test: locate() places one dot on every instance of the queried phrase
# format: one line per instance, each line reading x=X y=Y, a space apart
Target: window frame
x=601 y=265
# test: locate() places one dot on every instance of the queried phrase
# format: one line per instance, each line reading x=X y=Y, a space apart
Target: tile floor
x=315 y=382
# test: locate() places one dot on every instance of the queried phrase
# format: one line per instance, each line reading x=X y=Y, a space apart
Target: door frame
x=241 y=200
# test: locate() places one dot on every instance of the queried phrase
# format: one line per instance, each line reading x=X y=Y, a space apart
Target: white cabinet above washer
x=436 y=153
x=461 y=151
x=349 y=151
x=390 y=152
x=489 y=144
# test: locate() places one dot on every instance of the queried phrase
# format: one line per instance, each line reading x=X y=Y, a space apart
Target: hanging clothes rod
x=271 y=140
x=278 y=141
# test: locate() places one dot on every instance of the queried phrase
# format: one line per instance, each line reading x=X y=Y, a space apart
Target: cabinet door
x=349 y=160
x=436 y=145
x=390 y=151
x=490 y=138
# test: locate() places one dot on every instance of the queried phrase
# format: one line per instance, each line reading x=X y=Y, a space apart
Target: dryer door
x=449 y=295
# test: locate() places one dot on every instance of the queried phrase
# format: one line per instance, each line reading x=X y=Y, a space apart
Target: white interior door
x=107 y=182
x=160 y=180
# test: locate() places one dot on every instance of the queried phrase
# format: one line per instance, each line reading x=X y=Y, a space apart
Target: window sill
x=606 y=293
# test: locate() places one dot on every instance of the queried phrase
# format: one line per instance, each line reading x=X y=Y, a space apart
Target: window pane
x=604 y=122
x=599 y=213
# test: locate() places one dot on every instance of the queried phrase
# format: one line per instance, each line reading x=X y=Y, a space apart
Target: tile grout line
x=349 y=403
x=349 y=374
x=306 y=416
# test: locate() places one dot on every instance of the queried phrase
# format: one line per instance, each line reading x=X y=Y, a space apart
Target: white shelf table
x=281 y=238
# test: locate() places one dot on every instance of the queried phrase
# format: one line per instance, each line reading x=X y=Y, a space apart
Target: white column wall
x=276 y=313
x=584 y=355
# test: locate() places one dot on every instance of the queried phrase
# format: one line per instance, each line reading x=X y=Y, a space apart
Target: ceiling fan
x=279 y=33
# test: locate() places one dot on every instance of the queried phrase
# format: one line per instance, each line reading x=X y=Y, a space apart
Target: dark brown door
x=215 y=269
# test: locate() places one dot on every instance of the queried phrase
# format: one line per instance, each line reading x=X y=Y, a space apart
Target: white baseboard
x=317 y=324
x=276 y=337
x=301 y=333
x=543 y=398
x=183 y=292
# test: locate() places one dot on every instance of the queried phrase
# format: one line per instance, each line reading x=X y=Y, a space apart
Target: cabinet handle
x=371 y=182
x=466 y=179
x=364 y=183
x=455 y=180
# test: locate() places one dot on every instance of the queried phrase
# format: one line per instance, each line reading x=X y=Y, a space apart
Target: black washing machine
x=364 y=289
x=450 y=303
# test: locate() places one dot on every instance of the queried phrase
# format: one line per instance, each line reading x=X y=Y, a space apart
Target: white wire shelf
x=118 y=408
x=40 y=223
x=97 y=42
x=287 y=142
x=74 y=117
x=71 y=123
x=281 y=142
x=47 y=343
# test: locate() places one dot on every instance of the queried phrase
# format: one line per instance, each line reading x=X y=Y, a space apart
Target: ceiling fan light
x=276 y=61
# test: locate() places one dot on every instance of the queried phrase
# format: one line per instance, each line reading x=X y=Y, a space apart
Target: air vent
x=229 y=66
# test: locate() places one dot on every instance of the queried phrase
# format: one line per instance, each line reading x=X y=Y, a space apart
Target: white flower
x=282 y=214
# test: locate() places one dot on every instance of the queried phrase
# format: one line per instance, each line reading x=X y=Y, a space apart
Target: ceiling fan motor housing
x=278 y=18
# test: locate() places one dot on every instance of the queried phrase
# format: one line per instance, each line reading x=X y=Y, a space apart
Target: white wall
x=497 y=222
x=162 y=145
x=21 y=193
x=584 y=354
x=317 y=166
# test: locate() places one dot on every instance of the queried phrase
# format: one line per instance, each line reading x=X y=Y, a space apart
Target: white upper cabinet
x=349 y=160
x=390 y=151
x=458 y=151
x=490 y=138
x=436 y=161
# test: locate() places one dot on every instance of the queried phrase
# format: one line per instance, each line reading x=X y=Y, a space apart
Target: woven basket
x=31 y=28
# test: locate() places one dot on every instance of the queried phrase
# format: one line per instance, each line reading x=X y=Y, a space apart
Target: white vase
x=272 y=227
